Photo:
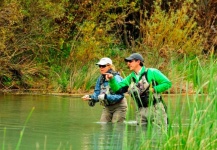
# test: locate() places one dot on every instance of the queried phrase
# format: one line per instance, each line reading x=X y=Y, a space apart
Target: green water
x=64 y=122
x=56 y=122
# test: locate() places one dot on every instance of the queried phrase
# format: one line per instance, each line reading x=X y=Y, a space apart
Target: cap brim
x=101 y=63
x=128 y=58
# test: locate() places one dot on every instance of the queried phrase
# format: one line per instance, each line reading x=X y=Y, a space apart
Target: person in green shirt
x=145 y=86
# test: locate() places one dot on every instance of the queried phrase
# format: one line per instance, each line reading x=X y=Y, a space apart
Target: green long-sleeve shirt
x=163 y=83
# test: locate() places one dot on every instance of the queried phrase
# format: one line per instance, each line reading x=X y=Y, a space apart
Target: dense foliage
x=54 y=44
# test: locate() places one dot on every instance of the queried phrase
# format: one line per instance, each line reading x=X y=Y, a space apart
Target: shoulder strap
x=145 y=73
x=133 y=80
x=102 y=79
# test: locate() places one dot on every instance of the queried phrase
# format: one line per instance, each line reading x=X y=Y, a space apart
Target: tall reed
x=24 y=127
x=192 y=116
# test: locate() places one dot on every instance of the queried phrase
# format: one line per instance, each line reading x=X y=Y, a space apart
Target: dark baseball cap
x=135 y=56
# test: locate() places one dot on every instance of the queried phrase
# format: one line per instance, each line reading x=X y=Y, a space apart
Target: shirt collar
x=140 y=72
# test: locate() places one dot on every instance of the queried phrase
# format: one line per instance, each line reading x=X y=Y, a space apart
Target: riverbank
x=42 y=92
x=175 y=89
x=78 y=93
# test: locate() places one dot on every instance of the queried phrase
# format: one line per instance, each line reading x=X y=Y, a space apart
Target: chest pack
x=140 y=91
x=105 y=89
x=141 y=86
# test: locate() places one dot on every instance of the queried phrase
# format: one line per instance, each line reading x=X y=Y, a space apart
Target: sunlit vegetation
x=54 y=44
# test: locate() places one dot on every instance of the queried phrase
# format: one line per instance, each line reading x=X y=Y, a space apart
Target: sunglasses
x=102 y=66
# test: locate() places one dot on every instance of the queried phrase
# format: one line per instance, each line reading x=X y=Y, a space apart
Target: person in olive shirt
x=145 y=86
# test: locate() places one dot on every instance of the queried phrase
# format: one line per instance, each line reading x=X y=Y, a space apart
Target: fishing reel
x=91 y=103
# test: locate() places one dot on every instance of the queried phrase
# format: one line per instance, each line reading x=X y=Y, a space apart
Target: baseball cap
x=104 y=61
x=135 y=56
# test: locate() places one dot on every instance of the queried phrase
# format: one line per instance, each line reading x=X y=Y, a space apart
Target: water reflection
x=68 y=123
x=126 y=135
x=108 y=136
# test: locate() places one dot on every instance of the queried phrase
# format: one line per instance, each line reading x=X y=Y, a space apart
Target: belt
x=115 y=103
x=154 y=103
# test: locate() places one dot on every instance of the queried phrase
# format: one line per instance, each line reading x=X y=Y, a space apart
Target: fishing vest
x=106 y=90
x=140 y=91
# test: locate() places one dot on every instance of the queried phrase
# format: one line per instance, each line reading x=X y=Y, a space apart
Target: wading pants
x=115 y=113
x=155 y=114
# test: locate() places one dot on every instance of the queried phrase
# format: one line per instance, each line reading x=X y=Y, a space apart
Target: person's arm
x=160 y=82
x=120 y=87
x=96 y=93
x=92 y=99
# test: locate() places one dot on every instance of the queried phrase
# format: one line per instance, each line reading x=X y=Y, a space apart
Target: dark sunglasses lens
x=102 y=66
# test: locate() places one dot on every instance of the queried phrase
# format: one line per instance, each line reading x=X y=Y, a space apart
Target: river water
x=67 y=122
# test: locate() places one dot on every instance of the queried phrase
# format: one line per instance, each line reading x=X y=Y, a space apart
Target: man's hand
x=108 y=76
x=86 y=97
